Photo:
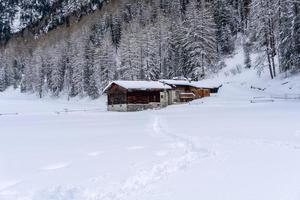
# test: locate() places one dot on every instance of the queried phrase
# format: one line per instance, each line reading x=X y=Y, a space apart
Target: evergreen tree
x=76 y=63
x=28 y=77
x=108 y=63
x=2 y=79
x=284 y=35
x=17 y=73
x=198 y=40
x=296 y=34
x=129 y=54
x=263 y=27
x=225 y=20
x=247 y=48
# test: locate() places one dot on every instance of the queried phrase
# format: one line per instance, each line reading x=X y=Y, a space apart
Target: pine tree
x=2 y=79
x=247 y=48
x=27 y=84
x=175 y=50
x=76 y=62
x=88 y=64
x=296 y=34
x=263 y=27
x=198 y=40
x=129 y=54
x=104 y=70
x=225 y=25
x=17 y=74
x=154 y=52
x=108 y=65
x=53 y=69
x=38 y=76
x=116 y=28
x=284 y=35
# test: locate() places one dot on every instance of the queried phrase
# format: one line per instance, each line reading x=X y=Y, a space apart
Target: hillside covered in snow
x=242 y=143
x=40 y=16
x=77 y=47
x=59 y=142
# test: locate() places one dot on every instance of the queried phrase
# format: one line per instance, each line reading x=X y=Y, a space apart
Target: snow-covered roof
x=176 y=82
x=139 y=85
x=206 y=84
x=197 y=84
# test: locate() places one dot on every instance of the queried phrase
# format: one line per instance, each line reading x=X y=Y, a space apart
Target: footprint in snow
x=56 y=166
x=132 y=148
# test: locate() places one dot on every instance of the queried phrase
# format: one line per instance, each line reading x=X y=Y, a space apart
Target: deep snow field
x=217 y=148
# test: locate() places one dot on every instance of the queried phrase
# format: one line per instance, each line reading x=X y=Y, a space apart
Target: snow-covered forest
x=60 y=138
x=139 y=40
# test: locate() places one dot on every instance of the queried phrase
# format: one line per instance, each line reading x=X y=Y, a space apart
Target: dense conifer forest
x=76 y=47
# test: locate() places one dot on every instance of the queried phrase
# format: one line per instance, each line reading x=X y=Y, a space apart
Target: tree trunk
x=269 y=63
x=274 y=68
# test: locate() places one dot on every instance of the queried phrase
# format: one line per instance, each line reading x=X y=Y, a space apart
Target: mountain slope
x=41 y=16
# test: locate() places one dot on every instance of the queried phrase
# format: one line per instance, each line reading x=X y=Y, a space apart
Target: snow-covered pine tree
x=106 y=62
x=225 y=22
x=90 y=84
x=198 y=40
x=6 y=63
x=38 y=72
x=243 y=12
x=149 y=53
x=8 y=74
x=7 y=12
x=116 y=28
x=28 y=76
x=2 y=79
x=263 y=28
x=296 y=34
x=76 y=63
x=68 y=82
x=158 y=45
x=154 y=61
x=247 y=51
x=56 y=62
x=17 y=73
x=175 y=49
x=129 y=53
x=284 y=34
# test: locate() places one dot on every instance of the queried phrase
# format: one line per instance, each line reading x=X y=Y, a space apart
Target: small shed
x=136 y=95
x=184 y=91
x=186 y=97
x=212 y=87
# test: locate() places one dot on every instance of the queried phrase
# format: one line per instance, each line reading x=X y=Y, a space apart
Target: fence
x=274 y=97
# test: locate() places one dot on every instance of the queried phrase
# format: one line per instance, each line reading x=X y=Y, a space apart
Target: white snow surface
x=218 y=148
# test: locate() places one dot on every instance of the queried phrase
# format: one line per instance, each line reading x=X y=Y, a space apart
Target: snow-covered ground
x=218 y=148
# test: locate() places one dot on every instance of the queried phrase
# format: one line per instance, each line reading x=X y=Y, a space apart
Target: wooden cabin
x=136 y=95
x=184 y=91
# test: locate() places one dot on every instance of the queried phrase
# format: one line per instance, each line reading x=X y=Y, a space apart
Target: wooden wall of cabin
x=143 y=97
x=199 y=92
x=116 y=95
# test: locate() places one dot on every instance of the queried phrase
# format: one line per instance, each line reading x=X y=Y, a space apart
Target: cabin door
x=164 y=98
